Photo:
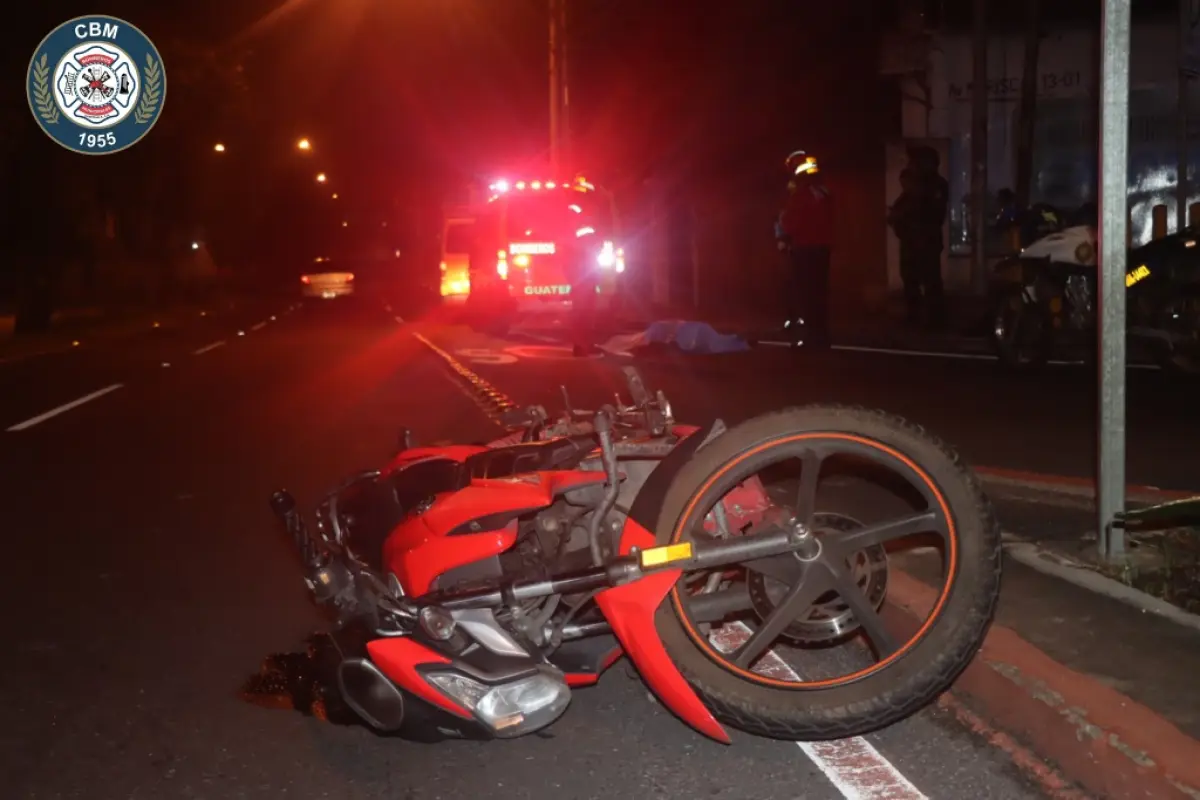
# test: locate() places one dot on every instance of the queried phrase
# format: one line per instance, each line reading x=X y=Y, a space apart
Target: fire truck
x=527 y=245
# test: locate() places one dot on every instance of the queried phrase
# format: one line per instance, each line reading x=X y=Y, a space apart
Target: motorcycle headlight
x=510 y=709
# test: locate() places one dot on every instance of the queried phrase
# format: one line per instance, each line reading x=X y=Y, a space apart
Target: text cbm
x=93 y=30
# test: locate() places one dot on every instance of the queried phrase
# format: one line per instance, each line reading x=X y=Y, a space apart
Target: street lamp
x=304 y=144
x=334 y=195
x=218 y=147
x=320 y=177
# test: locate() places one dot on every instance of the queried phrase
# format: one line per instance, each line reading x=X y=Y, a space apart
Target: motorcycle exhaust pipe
x=371 y=695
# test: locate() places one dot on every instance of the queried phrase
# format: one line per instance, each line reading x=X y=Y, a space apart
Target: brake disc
x=829 y=619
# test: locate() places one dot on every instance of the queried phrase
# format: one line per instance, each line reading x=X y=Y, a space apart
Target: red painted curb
x=1075 y=485
x=1098 y=737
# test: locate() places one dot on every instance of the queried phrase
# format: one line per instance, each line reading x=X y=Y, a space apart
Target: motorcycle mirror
x=283 y=504
x=405 y=440
x=637 y=389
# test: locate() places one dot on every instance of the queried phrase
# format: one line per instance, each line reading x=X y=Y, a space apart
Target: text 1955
x=97 y=141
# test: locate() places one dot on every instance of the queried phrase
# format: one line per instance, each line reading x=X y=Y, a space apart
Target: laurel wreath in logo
x=151 y=91
x=43 y=101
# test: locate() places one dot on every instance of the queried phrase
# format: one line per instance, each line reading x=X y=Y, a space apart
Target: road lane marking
x=892 y=351
x=54 y=412
x=896 y=351
x=208 y=347
x=480 y=355
x=854 y=766
x=400 y=320
x=258 y=327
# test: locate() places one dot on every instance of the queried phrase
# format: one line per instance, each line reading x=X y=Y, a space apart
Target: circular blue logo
x=96 y=84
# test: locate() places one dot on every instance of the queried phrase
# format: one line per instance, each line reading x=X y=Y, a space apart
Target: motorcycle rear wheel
x=1022 y=332
x=899 y=684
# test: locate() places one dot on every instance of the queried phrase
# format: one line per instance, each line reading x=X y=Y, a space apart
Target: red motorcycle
x=476 y=585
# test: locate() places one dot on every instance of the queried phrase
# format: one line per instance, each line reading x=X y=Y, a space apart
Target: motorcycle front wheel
x=808 y=647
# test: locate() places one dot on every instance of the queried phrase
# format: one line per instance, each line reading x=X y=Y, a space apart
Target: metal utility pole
x=1027 y=113
x=564 y=88
x=555 y=155
x=1114 y=220
x=559 y=110
x=979 y=144
x=1181 y=145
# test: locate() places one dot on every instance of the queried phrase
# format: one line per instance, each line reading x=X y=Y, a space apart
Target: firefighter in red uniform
x=804 y=233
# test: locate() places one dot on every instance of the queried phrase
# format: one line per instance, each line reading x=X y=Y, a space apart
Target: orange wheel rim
x=721 y=660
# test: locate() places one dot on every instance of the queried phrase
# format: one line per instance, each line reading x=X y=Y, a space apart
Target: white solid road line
x=853 y=348
x=854 y=766
x=54 y=412
x=208 y=347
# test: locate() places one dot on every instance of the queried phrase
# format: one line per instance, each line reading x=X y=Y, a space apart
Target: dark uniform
x=805 y=232
x=917 y=218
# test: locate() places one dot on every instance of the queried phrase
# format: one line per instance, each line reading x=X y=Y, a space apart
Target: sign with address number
x=96 y=84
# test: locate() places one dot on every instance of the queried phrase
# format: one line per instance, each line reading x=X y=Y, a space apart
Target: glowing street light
x=344 y=223
x=218 y=147
x=304 y=144
x=320 y=177
x=334 y=195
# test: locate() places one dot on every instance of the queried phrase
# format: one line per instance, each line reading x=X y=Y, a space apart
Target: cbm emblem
x=96 y=84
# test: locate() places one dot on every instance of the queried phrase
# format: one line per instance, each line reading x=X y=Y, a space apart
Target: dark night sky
x=392 y=89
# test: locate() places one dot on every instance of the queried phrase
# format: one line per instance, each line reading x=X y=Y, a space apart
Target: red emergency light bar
x=500 y=187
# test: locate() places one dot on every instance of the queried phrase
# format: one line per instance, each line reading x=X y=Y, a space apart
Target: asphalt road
x=146 y=581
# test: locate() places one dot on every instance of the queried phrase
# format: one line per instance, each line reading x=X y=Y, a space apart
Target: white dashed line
x=54 y=412
x=258 y=327
x=400 y=320
x=854 y=766
x=208 y=347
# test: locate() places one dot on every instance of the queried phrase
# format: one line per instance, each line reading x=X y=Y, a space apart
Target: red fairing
x=399 y=658
x=577 y=679
x=630 y=611
x=454 y=452
x=419 y=550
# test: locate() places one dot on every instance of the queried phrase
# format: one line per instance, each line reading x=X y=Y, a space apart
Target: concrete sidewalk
x=1092 y=673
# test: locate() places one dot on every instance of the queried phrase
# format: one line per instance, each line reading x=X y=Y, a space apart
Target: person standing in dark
x=917 y=218
x=805 y=235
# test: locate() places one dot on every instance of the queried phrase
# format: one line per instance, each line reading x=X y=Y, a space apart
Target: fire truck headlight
x=608 y=255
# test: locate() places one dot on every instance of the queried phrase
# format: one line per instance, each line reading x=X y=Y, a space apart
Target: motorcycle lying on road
x=1046 y=296
x=475 y=585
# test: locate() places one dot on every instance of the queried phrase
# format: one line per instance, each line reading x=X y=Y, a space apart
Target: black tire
x=920 y=673
x=1028 y=332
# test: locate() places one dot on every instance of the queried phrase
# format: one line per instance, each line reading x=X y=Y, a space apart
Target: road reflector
x=657 y=556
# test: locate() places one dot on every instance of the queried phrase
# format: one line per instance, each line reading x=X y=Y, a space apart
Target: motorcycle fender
x=630 y=611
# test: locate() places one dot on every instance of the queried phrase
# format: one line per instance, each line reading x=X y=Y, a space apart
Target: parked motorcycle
x=475 y=586
x=1046 y=296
